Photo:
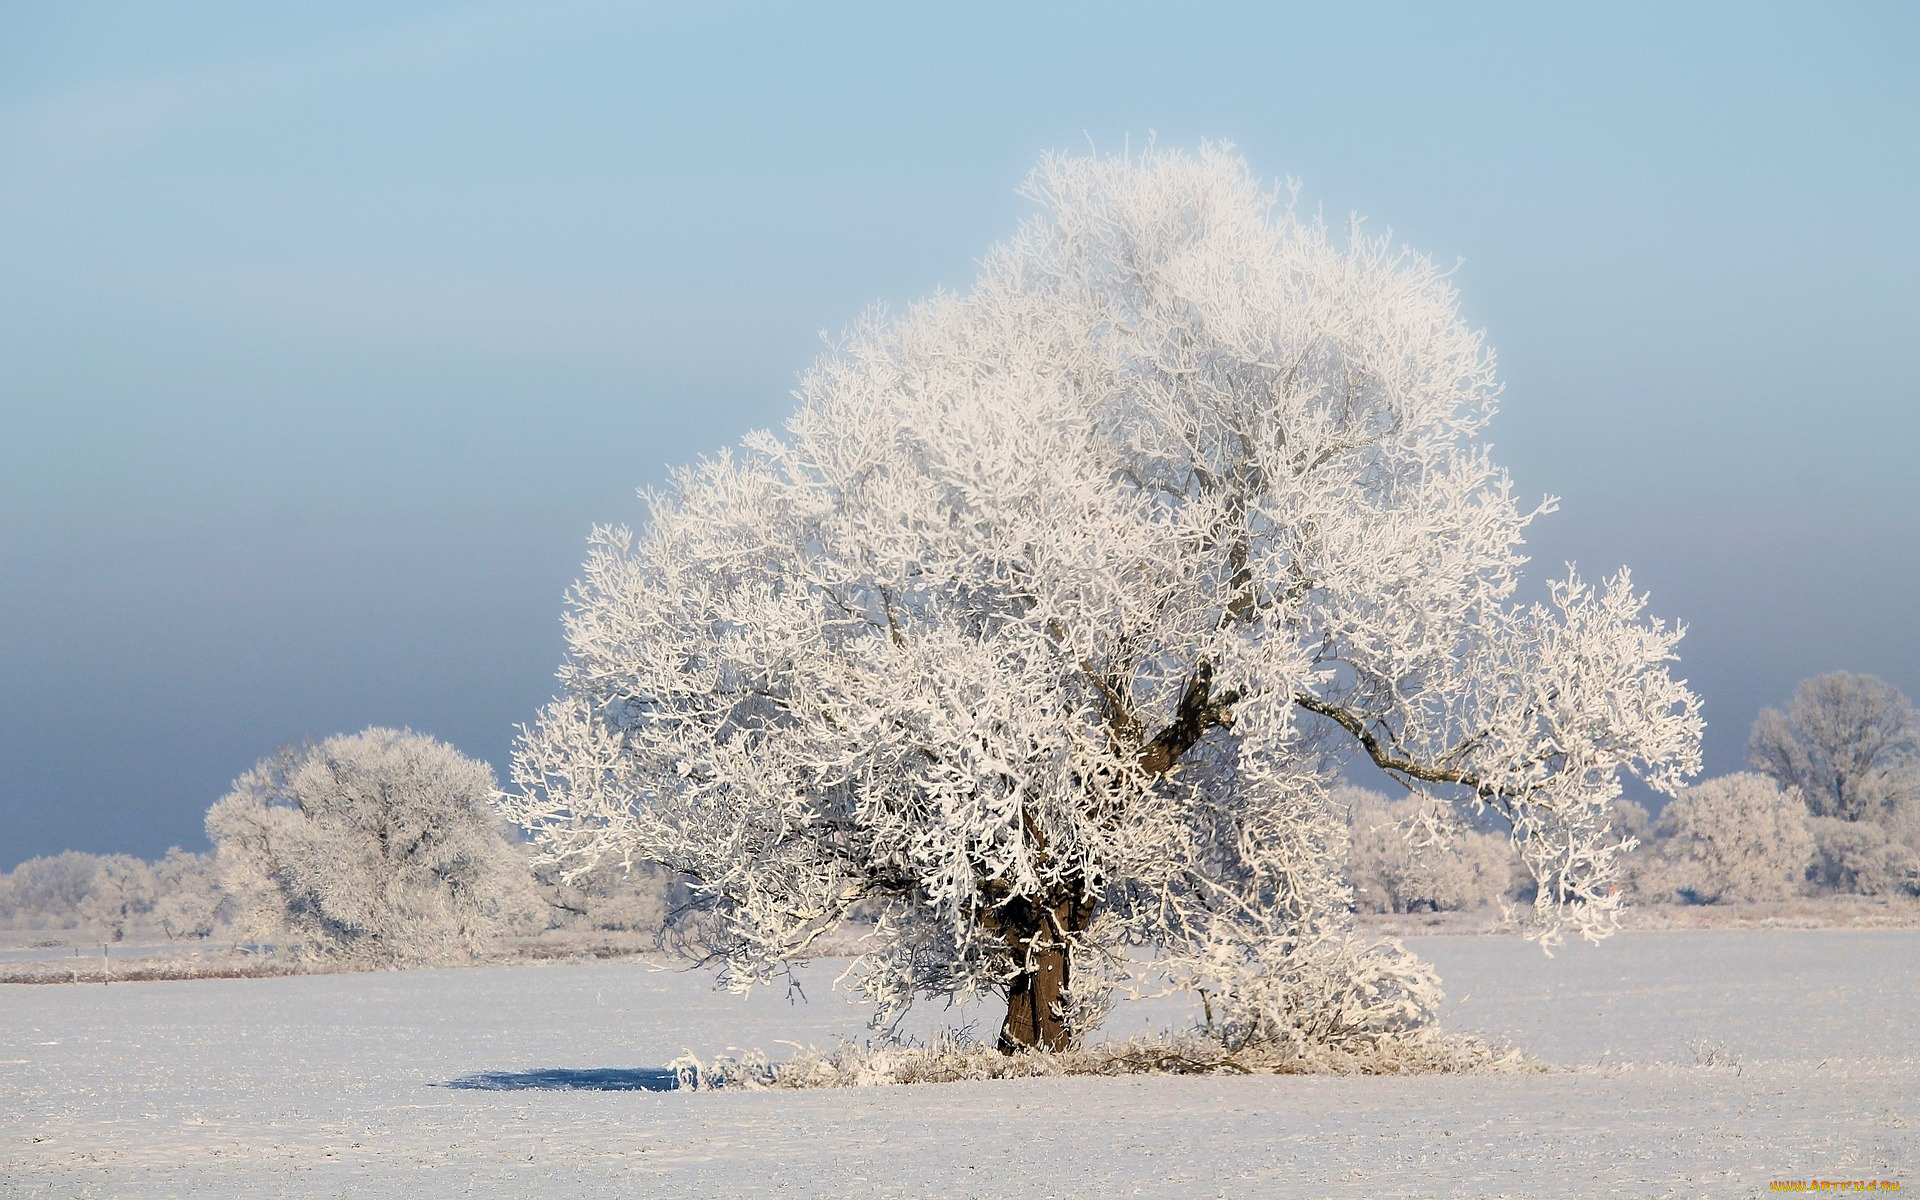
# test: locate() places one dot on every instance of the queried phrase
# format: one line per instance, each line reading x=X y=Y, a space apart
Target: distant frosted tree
x=48 y=892
x=1046 y=627
x=1859 y=857
x=121 y=893
x=1848 y=742
x=636 y=898
x=1630 y=819
x=187 y=894
x=1416 y=854
x=383 y=847
x=1737 y=837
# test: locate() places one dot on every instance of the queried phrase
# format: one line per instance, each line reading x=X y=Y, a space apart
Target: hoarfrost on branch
x=1047 y=626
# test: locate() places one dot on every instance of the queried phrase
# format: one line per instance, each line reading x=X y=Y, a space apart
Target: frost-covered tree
x=1860 y=857
x=114 y=894
x=1737 y=837
x=187 y=896
x=1630 y=819
x=1046 y=627
x=122 y=892
x=48 y=892
x=1849 y=743
x=1416 y=854
x=382 y=847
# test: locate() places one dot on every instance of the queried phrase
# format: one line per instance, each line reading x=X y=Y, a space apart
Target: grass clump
x=956 y=1059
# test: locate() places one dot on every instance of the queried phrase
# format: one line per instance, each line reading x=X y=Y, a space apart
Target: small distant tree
x=187 y=896
x=382 y=847
x=1049 y=625
x=1630 y=820
x=617 y=896
x=1849 y=743
x=49 y=892
x=122 y=892
x=1859 y=857
x=1416 y=854
x=1738 y=837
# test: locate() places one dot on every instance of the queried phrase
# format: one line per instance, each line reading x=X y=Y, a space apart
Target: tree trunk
x=1033 y=1005
x=1036 y=933
x=1037 y=929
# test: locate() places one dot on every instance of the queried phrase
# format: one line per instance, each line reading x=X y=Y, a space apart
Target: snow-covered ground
x=1702 y=1064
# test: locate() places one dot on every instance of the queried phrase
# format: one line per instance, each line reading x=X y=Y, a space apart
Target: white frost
x=1071 y=594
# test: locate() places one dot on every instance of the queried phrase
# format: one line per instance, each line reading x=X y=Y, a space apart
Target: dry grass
x=141 y=970
x=1803 y=912
x=1808 y=912
x=871 y=1064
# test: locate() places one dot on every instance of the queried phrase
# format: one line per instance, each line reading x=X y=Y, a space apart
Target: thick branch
x=1384 y=758
x=1120 y=719
x=1199 y=711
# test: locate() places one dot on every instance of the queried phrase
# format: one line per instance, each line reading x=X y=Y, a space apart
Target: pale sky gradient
x=326 y=335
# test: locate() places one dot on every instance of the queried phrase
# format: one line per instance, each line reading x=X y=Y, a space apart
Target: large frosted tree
x=1047 y=626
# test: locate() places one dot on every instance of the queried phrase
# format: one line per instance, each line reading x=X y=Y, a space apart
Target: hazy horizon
x=331 y=334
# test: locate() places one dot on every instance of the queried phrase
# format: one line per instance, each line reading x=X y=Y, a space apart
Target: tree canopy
x=1048 y=625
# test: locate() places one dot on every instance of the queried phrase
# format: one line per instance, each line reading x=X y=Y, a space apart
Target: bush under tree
x=1047 y=627
x=1859 y=858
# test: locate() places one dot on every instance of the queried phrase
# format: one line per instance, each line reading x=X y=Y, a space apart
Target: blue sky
x=326 y=335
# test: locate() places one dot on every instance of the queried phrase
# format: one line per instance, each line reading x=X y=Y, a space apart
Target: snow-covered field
x=1699 y=1064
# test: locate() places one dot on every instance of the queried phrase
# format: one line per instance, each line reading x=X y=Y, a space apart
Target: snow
x=1696 y=1063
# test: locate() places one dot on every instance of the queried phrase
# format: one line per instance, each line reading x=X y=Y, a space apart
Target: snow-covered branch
x=1046 y=625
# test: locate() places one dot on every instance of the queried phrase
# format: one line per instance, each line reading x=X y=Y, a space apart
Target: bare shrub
x=1735 y=838
x=1338 y=991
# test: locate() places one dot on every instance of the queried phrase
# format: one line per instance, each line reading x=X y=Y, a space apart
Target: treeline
x=108 y=896
x=381 y=848
x=387 y=847
x=1832 y=807
x=114 y=897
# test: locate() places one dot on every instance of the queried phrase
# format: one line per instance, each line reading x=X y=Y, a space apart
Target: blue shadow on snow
x=564 y=1079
